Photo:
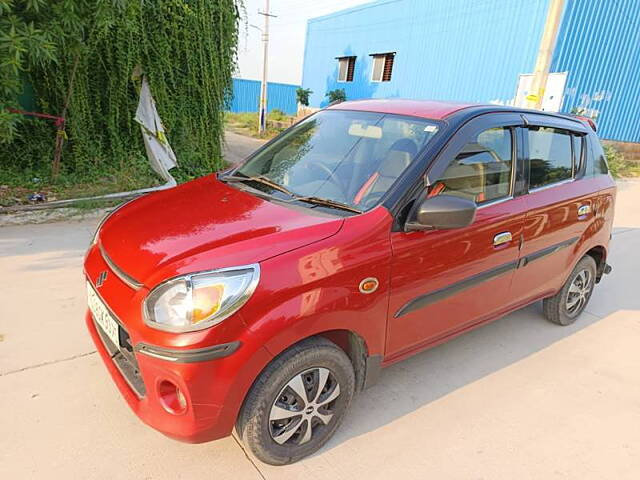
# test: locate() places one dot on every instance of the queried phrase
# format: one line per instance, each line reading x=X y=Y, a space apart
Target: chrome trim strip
x=188 y=356
x=495 y=202
x=551 y=185
x=132 y=282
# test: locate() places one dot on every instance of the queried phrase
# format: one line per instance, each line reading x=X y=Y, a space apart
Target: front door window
x=482 y=170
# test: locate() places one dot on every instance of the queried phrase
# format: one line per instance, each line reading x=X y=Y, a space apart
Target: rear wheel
x=565 y=306
x=298 y=402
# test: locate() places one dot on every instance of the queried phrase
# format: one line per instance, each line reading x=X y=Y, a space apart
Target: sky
x=286 y=36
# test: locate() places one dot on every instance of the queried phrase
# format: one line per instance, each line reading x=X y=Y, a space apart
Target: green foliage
x=246 y=123
x=86 y=51
x=302 y=95
x=337 y=95
x=618 y=165
x=23 y=47
x=277 y=115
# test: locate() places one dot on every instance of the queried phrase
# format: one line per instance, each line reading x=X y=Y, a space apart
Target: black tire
x=311 y=358
x=557 y=309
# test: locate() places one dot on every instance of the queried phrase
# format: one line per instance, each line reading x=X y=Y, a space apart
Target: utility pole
x=545 y=53
x=262 y=111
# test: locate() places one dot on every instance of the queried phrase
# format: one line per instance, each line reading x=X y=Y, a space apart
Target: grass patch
x=16 y=187
x=246 y=123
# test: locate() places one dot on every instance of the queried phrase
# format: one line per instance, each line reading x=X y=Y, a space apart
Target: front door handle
x=584 y=210
x=502 y=238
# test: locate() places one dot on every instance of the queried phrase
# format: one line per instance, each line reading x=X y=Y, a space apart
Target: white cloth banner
x=159 y=151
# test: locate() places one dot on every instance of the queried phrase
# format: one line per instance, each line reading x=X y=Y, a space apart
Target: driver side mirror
x=442 y=212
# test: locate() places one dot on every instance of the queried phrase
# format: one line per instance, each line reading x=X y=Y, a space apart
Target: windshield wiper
x=327 y=203
x=259 y=179
x=294 y=196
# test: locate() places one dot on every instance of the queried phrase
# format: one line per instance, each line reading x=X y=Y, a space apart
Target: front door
x=443 y=281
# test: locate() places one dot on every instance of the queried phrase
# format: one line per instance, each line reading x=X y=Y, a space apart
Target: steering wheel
x=331 y=174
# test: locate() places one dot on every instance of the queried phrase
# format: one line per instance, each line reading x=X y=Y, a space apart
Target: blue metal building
x=482 y=51
x=246 y=96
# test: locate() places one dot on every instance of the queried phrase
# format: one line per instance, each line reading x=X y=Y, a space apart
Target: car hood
x=202 y=225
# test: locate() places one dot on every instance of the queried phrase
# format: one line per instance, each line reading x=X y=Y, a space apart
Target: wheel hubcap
x=305 y=404
x=578 y=293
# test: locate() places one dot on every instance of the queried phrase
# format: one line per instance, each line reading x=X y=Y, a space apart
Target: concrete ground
x=238 y=147
x=518 y=399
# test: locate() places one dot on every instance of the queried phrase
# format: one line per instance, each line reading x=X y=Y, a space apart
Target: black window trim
x=419 y=175
x=580 y=164
x=547 y=121
x=559 y=182
x=512 y=176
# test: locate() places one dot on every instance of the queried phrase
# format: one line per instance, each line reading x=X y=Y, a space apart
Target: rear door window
x=599 y=160
x=550 y=156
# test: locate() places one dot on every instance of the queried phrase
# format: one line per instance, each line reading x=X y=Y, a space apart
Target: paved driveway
x=238 y=147
x=520 y=398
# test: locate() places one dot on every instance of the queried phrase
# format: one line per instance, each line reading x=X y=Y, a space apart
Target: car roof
x=418 y=108
x=437 y=110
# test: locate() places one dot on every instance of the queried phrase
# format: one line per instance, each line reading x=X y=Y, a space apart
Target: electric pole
x=545 y=53
x=262 y=111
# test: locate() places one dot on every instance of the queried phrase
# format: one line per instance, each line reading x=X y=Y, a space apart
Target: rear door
x=560 y=205
x=443 y=281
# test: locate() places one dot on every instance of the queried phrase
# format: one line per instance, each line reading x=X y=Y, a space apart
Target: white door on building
x=553 y=94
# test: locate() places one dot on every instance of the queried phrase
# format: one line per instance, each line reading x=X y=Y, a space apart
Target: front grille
x=124 y=358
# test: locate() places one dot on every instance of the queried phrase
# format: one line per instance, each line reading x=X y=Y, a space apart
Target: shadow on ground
x=424 y=378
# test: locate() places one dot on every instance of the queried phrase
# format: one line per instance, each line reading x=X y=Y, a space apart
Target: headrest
x=405 y=145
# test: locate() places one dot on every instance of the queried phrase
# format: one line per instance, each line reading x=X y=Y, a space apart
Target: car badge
x=101 y=279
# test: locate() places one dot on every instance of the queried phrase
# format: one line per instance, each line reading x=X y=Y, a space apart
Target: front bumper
x=212 y=398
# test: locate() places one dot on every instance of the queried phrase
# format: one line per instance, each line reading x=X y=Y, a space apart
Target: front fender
x=315 y=289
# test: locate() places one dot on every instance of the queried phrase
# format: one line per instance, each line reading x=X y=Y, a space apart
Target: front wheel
x=297 y=403
x=565 y=306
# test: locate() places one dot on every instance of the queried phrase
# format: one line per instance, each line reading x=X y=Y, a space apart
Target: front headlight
x=200 y=300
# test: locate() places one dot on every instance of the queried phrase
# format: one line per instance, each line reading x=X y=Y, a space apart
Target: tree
x=302 y=95
x=24 y=47
x=336 y=96
x=187 y=50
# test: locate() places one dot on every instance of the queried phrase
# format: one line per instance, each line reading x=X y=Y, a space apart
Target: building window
x=346 y=66
x=550 y=156
x=382 y=67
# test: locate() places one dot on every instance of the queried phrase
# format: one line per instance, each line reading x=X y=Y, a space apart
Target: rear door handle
x=584 y=210
x=502 y=238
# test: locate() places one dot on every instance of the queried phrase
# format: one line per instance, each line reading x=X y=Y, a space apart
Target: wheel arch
x=366 y=367
x=599 y=255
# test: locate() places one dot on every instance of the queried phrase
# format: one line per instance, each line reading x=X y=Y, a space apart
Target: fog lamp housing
x=171 y=397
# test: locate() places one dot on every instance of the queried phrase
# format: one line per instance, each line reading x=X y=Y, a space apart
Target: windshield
x=346 y=157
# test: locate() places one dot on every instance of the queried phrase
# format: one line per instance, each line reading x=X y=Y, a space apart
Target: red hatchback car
x=264 y=297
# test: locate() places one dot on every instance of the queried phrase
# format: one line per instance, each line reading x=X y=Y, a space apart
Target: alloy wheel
x=578 y=293
x=305 y=404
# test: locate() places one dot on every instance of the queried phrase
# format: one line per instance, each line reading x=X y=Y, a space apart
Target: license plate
x=102 y=316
